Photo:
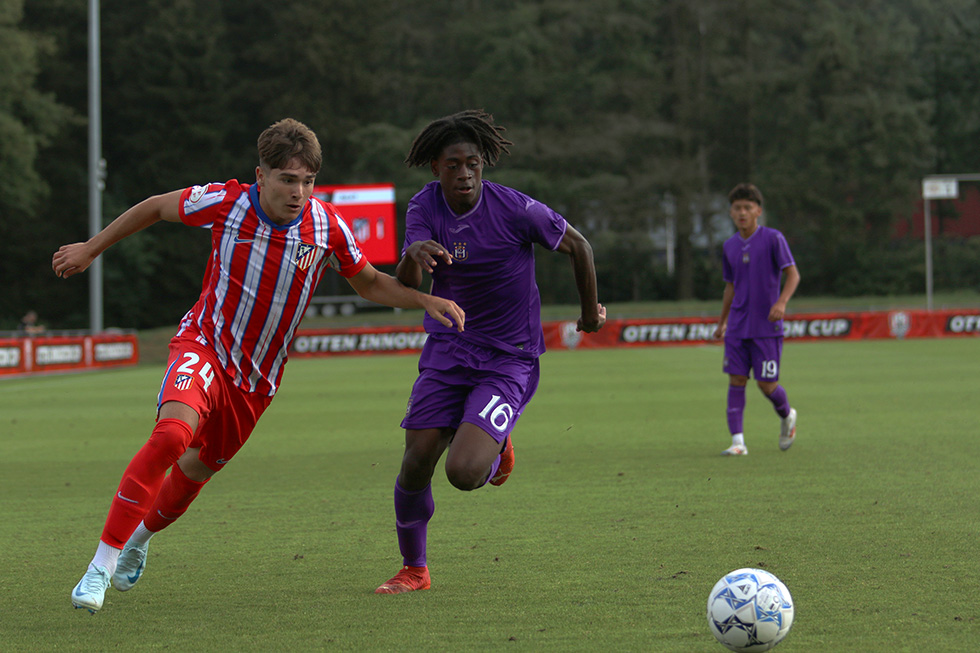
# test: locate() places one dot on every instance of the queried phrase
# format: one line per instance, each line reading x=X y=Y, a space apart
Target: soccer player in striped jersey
x=271 y=242
x=752 y=310
x=476 y=239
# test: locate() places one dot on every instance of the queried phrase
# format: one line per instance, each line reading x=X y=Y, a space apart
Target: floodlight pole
x=96 y=165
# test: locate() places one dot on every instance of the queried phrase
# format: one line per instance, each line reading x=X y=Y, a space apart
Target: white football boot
x=131 y=565
x=90 y=591
x=787 y=430
x=736 y=450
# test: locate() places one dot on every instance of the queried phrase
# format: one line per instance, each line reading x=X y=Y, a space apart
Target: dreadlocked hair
x=470 y=126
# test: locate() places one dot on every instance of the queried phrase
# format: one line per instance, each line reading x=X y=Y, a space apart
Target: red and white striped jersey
x=260 y=277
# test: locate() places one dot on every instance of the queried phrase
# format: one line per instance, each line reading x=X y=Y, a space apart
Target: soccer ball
x=750 y=610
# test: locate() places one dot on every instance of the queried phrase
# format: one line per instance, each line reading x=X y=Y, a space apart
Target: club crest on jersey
x=305 y=255
x=459 y=251
x=183 y=381
x=745 y=257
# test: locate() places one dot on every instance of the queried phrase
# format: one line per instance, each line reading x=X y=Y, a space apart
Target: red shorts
x=227 y=413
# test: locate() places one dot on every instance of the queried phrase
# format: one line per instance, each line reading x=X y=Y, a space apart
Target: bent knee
x=170 y=438
x=466 y=478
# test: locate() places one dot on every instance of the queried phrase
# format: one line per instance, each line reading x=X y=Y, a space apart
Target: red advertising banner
x=369 y=210
x=646 y=332
x=59 y=353
x=816 y=326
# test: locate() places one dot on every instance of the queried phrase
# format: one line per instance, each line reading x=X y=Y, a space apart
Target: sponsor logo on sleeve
x=197 y=192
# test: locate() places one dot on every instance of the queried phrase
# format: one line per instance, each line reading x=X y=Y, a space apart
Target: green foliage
x=624 y=114
x=618 y=519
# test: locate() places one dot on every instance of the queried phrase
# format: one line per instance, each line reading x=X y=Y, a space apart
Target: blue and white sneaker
x=90 y=591
x=131 y=565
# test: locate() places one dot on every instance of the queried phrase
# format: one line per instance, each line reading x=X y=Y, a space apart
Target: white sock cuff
x=106 y=556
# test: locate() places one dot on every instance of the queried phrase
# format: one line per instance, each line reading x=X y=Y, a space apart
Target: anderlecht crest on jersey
x=305 y=255
x=459 y=251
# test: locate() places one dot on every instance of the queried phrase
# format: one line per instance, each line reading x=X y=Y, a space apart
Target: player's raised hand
x=427 y=254
x=71 y=259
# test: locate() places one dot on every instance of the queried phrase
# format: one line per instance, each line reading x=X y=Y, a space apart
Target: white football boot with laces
x=131 y=565
x=90 y=591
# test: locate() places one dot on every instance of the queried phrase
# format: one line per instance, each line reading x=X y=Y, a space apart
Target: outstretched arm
x=384 y=289
x=76 y=257
x=583 y=265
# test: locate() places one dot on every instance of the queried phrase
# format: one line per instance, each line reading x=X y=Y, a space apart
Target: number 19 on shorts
x=770 y=369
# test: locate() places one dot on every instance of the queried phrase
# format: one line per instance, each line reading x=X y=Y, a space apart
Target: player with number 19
x=271 y=244
x=753 y=306
x=477 y=240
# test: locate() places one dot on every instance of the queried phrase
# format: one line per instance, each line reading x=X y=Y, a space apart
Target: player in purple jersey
x=752 y=311
x=476 y=238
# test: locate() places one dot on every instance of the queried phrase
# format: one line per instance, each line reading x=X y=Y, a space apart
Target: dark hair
x=745 y=192
x=470 y=126
x=286 y=139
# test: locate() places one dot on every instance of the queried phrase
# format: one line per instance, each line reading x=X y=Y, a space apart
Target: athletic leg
x=414 y=507
x=769 y=352
x=137 y=490
x=473 y=457
x=777 y=395
x=737 y=364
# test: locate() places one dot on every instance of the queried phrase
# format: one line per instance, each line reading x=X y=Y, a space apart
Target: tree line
x=630 y=117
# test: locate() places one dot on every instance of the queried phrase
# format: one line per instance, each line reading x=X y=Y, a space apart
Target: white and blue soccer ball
x=750 y=610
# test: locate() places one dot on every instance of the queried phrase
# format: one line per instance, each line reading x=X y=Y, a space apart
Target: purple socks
x=736 y=408
x=779 y=401
x=412 y=513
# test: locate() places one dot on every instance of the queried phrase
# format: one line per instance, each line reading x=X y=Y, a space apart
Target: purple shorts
x=761 y=355
x=460 y=381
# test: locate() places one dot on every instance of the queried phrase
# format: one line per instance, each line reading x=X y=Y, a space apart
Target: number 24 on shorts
x=206 y=372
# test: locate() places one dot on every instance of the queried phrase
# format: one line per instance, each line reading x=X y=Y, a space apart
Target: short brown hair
x=745 y=192
x=288 y=139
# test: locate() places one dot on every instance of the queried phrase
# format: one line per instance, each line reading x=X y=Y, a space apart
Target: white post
x=95 y=163
x=928 y=237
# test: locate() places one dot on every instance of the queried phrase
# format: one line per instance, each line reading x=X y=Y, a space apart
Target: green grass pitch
x=618 y=519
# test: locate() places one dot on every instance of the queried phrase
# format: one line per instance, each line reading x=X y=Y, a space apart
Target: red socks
x=175 y=496
x=142 y=479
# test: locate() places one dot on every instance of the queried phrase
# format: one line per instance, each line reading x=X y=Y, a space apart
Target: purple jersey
x=754 y=265
x=492 y=275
